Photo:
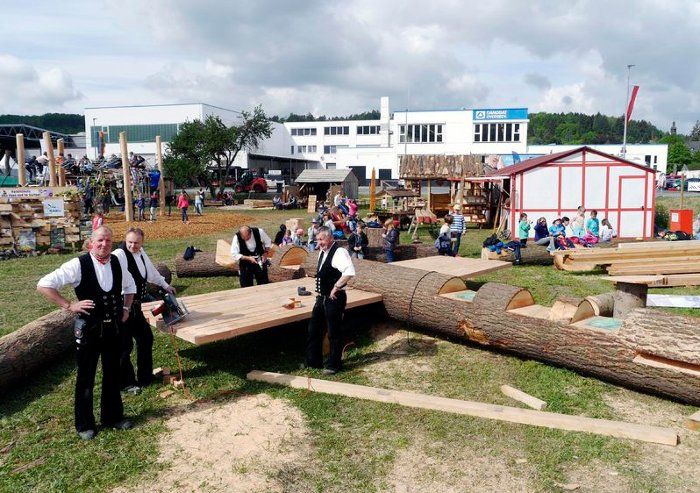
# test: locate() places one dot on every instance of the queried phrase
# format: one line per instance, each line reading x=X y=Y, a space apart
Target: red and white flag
x=630 y=106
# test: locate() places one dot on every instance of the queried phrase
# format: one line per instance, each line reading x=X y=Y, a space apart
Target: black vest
x=259 y=248
x=140 y=280
x=108 y=304
x=327 y=275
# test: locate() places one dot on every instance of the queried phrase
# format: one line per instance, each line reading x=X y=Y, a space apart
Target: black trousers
x=250 y=272
x=327 y=313
x=136 y=329
x=98 y=340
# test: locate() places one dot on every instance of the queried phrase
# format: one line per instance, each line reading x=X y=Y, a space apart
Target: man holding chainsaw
x=250 y=248
x=136 y=328
x=105 y=290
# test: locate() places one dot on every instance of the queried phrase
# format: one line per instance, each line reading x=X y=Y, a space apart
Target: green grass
x=356 y=442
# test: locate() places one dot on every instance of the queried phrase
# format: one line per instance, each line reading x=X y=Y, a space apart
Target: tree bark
x=35 y=345
x=202 y=265
x=284 y=258
x=627 y=297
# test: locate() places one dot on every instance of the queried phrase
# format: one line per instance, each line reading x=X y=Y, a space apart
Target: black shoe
x=124 y=424
x=86 y=435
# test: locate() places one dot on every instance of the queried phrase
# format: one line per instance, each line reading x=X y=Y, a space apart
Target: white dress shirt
x=148 y=270
x=341 y=261
x=69 y=274
x=250 y=243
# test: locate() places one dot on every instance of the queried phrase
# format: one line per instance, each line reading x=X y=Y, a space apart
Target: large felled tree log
x=533 y=254
x=202 y=265
x=285 y=263
x=657 y=353
x=35 y=345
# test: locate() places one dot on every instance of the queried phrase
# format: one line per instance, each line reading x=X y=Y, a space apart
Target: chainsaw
x=171 y=309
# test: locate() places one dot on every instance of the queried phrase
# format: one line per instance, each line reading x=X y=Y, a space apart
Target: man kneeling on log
x=332 y=275
x=136 y=328
x=250 y=248
x=105 y=291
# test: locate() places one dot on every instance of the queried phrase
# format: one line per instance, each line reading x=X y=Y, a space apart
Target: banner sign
x=54 y=208
x=500 y=114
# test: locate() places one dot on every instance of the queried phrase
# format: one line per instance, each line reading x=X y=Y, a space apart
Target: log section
x=35 y=345
x=202 y=265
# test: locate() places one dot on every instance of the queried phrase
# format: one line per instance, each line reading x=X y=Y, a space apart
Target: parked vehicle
x=250 y=183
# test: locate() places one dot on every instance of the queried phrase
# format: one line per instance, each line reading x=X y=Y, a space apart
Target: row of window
x=303 y=131
x=368 y=130
x=497 y=132
x=303 y=149
x=420 y=133
x=336 y=130
x=135 y=133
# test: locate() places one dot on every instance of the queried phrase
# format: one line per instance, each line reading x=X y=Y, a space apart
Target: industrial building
x=498 y=134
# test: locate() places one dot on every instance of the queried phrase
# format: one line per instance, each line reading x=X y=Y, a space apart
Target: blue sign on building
x=500 y=114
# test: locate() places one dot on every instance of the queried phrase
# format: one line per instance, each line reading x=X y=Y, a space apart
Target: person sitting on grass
x=279 y=237
x=287 y=238
x=607 y=233
x=298 y=237
x=524 y=229
x=542 y=236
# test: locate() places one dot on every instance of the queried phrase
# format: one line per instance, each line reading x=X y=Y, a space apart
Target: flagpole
x=624 y=115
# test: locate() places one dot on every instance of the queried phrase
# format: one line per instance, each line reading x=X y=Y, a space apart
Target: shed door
x=632 y=207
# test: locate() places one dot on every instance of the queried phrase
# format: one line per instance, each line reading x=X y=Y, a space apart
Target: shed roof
x=539 y=161
x=324 y=176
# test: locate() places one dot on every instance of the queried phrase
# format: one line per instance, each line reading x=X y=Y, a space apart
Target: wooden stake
x=161 y=183
x=128 y=202
x=521 y=396
x=52 y=159
x=653 y=434
x=21 y=170
x=60 y=146
x=693 y=422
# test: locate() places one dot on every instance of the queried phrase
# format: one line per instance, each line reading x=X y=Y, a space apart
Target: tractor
x=249 y=182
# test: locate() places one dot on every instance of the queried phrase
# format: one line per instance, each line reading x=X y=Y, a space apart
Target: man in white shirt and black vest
x=250 y=248
x=136 y=328
x=334 y=270
x=105 y=291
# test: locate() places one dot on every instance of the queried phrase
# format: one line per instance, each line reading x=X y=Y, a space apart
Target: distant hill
x=293 y=117
x=66 y=123
x=578 y=128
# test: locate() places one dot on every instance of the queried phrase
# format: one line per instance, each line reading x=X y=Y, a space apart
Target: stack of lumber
x=658 y=257
x=440 y=166
x=21 y=215
x=258 y=203
x=659 y=281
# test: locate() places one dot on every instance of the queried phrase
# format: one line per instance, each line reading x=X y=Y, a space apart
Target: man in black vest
x=136 y=328
x=332 y=275
x=250 y=248
x=105 y=291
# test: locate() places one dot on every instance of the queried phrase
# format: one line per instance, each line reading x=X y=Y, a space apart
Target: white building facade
x=351 y=144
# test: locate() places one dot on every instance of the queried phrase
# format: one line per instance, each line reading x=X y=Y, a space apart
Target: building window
x=137 y=133
x=301 y=149
x=303 y=131
x=647 y=159
x=311 y=148
x=368 y=129
x=330 y=165
x=496 y=132
x=329 y=149
x=655 y=160
x=423 y=133
x=336 y=131
x=291 y=150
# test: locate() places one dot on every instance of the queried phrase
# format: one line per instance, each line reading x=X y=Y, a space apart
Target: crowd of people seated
x=565 y=233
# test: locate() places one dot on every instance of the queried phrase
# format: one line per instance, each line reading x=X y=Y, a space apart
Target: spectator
x=358 y=243
x=169 y=202
x=578 y=225
x=458 y=228
x=313 y=231
x=153 y=205
x=524 y=229
x=696 y=228
x=183 y=203
x=607 y=233
x=593 y=225
x=352 y=208
x=199 y=202
x=141 y=207
x=542 y=236
x=279 y=237
x=391 y=239
x=287 y=238
x=97 y=220
x=328 y=222
x=298 y=237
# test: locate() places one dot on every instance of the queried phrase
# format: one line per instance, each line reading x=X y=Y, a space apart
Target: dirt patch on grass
x=415 y=471
x=165 y=227
x=254 y=443
x=668 y=468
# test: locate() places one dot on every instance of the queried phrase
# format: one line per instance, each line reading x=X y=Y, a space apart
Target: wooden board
x=223 y=254
x=659 y=245
x=521 y=396
x=465 y=268
x=227 y=314
x=658 y=281
x=653 y=434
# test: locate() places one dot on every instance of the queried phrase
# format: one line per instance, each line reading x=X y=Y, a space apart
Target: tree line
x=65 y=123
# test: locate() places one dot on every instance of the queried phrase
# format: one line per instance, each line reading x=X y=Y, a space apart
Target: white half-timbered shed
x=555 y=185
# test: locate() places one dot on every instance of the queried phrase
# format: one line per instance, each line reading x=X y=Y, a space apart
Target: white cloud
x=24 y=89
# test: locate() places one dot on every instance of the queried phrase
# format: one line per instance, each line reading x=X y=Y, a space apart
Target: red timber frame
x=518 y=208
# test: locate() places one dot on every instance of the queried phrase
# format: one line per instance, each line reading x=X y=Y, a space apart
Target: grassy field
x=355 y=445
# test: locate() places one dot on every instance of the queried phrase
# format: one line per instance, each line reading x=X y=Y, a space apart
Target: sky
x=337 y=58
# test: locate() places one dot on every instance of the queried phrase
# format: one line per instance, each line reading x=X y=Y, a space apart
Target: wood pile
x=24 y=226
x=629 y=259
x=258 y=203
x=414 y=166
